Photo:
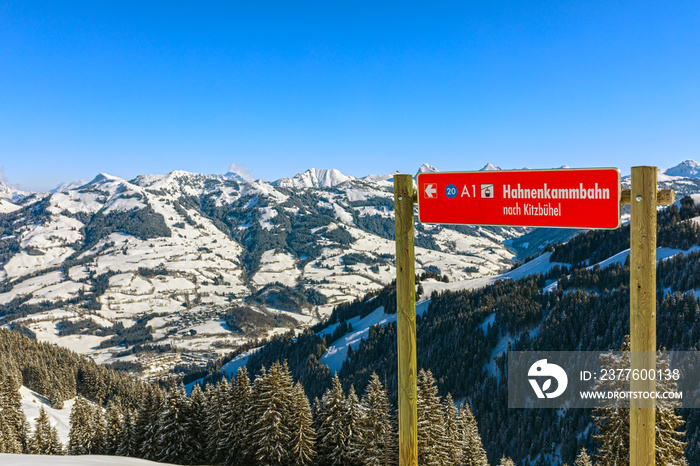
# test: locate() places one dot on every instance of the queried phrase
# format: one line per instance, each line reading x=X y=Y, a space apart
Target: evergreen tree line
x=61 y=374
x=15 y=436
x=271 y=422
x=673 y=230
x=588 y=311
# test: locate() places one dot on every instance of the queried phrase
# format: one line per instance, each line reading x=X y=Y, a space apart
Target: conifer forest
x=285 y=407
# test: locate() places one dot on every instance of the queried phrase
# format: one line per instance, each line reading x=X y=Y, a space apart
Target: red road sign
x=560 y=198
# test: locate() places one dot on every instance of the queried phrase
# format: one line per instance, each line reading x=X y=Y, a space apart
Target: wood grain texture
x=663 y=196
x=643 y=198
x=406 y=320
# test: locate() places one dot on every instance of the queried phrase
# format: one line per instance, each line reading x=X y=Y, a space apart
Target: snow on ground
x=621 y=257
x=31 y=285
x=59 y=418
x=229 y=369
x=538 y=265
x=87 y=460
x=661 y=254
x=484 y=325
x=338 y=351
x=84 y=344
x=7 y=206
x=277 y=267
x=268 y=213
x=24 y=263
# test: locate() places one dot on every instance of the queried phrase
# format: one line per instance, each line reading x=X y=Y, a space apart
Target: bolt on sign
x=560 y=198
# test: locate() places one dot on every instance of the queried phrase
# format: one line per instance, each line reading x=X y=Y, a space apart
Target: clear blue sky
x=137 y=87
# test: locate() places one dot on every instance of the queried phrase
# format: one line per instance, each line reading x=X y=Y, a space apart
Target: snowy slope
x=7 y=206
x=87 y=460
x=204 y=264
x=10 y=192
x=227 y=238
x=59 y=418
x=338 y=351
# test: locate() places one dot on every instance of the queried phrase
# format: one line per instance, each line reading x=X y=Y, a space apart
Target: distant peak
x=234 y=176
x=488 y=168
x=687 y=168
x=68 y=186
x=426 y=168
x=314 y=178
x=103 y=177
x=10 y=192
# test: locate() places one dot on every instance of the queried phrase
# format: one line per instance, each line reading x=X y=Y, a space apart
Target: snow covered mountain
x=683 y=178
x=11 y=193
x=426 y=168
x=314 y=178
x=686 y=169
x=207 y=262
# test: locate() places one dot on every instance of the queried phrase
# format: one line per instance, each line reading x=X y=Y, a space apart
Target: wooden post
x=406 y=320
x=643 y=311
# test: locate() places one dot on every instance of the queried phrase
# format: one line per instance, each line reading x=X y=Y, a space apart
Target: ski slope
x=338 y=351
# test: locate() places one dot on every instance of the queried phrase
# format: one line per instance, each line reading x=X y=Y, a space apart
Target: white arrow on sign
x=430 y=190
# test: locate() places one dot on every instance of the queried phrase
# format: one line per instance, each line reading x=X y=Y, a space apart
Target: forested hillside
x=266 y=413
x=463 y=335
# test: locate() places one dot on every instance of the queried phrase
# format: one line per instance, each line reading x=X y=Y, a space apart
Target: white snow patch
x=338 y=351
x=661 y=254
x=86 y=460
x=7 y=206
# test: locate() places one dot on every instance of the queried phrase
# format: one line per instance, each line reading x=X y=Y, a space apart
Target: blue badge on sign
x=451 y=191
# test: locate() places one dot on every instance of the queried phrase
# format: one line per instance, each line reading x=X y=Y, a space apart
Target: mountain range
x=166 y=271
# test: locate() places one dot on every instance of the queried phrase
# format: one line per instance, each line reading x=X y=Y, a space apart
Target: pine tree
x=318 y=414
x=45 y=440
x=55 y=445
x=16 y=435
x=453 y=431
x=473 y=453
x=506 y=462
x=2 y=434
x=583 y=459
x=195 y=425
x=215 y=414
x=432 y=445
x=40 y=441
x=352 y=420
x=146 y=424
x=113 y=429
x=99 y=434
x=237 y=423
x=172 y=436
x=376 y=443
x=303 y=436
x=81 y=436
x=612 y=420
x=269 y=414
x=332 y=440
x=127 y=444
